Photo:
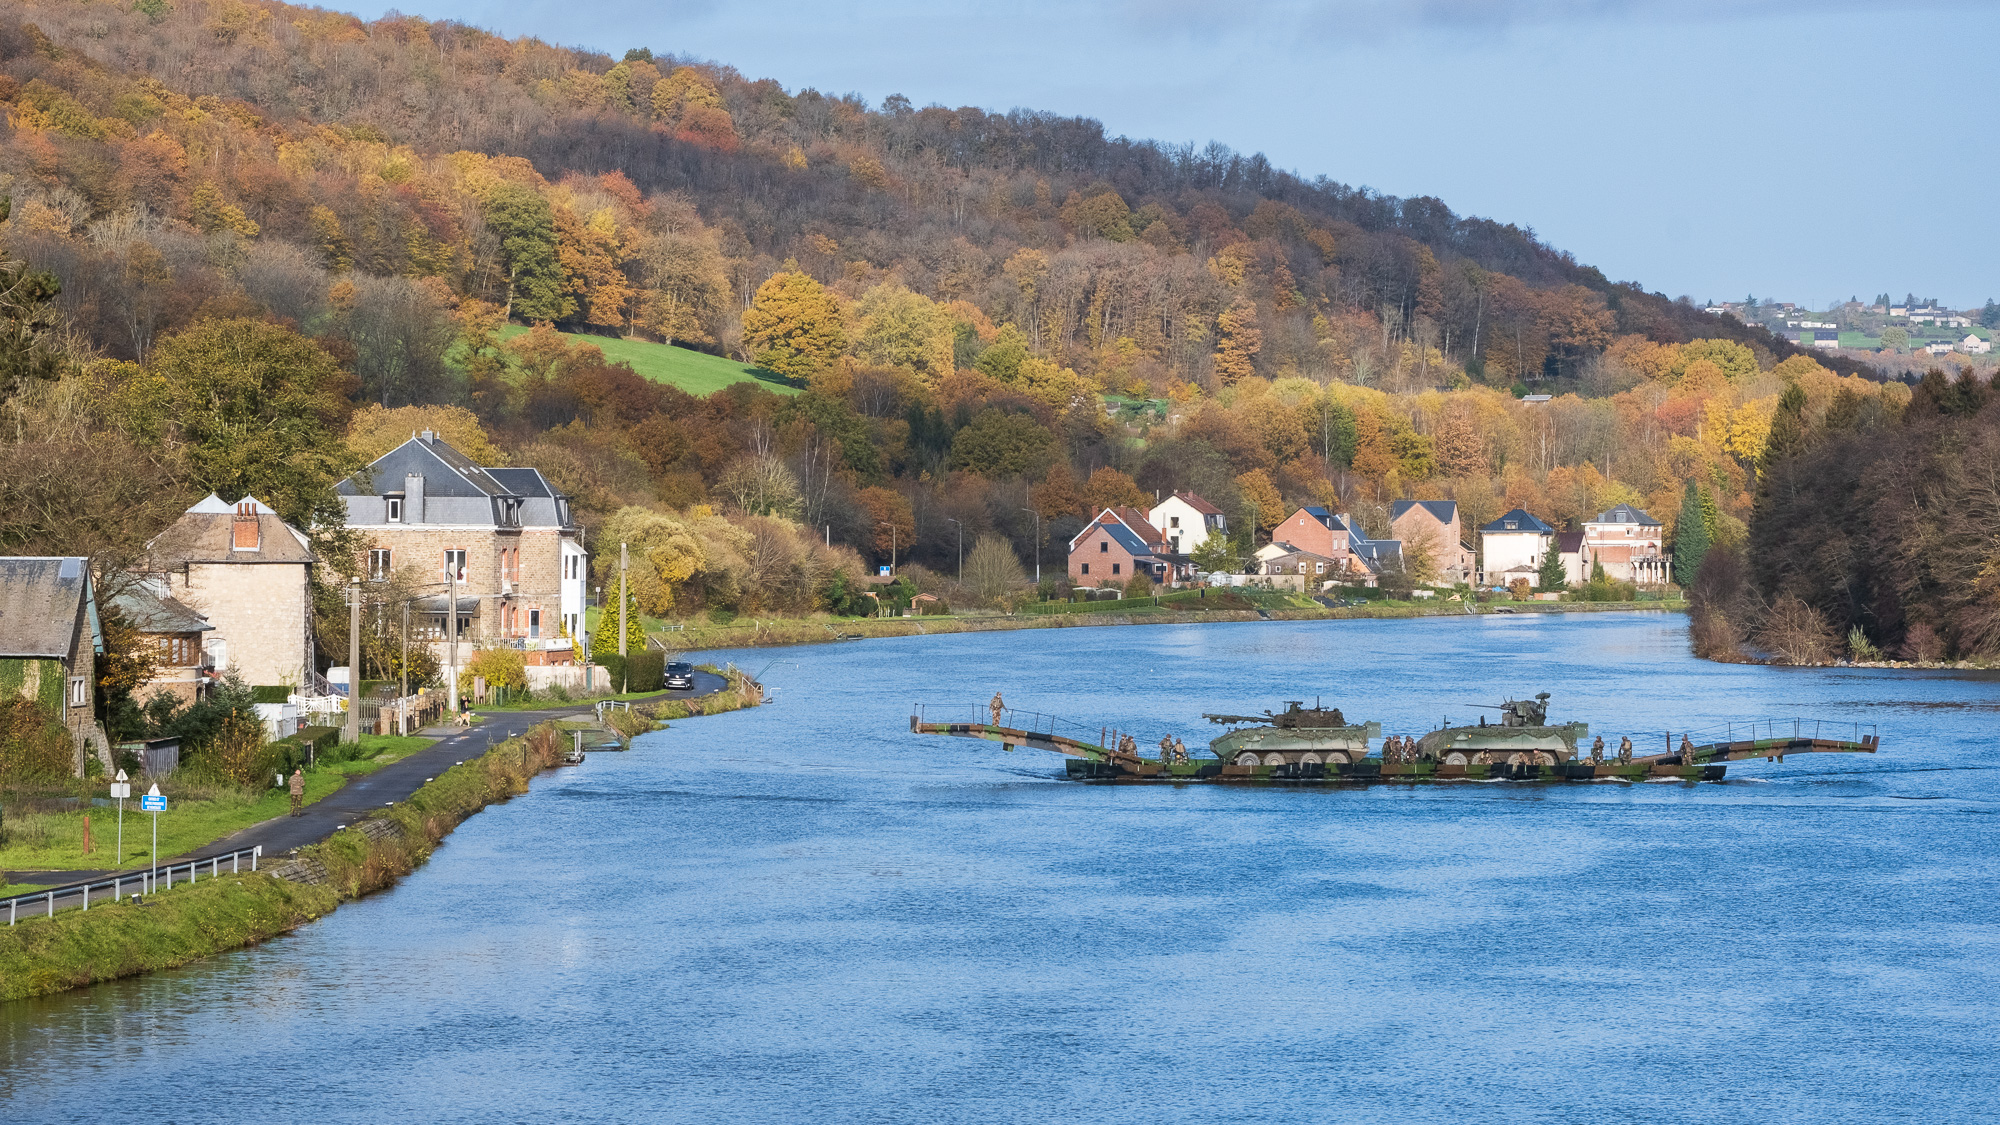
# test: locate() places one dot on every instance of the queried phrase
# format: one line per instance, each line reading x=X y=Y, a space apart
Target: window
x=1104 y=548
x=177 y=652
x=1173 y=521
x=454 y=564
x=79 y=691
x=1086 y=568
x=378 y=564
x=1114 y=568
x=395 y=509
x=534 y=622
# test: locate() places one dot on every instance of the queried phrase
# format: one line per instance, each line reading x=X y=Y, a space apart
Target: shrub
x=239 y=751
x=270 y=693
x=1139 y=587
x=1796 y=632
x=33 y=747
x=1922 y=643
x=500 y=667
x=1860 y=647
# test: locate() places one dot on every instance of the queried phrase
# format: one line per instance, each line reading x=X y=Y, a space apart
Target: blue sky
x=1797 y=150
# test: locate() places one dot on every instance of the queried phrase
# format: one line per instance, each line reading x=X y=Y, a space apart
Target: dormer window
x=1513 y=524
x=395 y=509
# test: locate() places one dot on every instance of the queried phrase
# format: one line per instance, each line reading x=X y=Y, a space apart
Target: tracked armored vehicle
x=1523 y=737
x=1298 y=735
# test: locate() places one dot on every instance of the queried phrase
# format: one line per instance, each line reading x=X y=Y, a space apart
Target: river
x=805 y=913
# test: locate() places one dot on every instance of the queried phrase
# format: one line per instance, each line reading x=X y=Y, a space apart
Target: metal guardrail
x=148 y=881
x=1013 y=717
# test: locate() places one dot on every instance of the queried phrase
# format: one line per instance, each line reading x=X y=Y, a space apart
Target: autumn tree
x=1109 y=488
x=1002 y=443
x=794 y=326
x=376 y=430
x=1262 y=496
x=1240 y=341
x=992 y=571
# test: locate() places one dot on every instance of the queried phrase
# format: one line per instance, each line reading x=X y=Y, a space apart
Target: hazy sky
x=1797 y=150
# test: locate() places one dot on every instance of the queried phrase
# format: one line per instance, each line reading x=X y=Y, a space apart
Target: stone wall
x=259 y=609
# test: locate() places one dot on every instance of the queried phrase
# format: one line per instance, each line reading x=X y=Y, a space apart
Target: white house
x=1513 y=546
x=1973 y=345
x=1184 y=520
x=1939 y=348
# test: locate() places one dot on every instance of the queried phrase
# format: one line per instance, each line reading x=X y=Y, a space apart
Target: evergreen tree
x=604 y=642
x=1691 y=539
x=526 y=224
x=1552 y=575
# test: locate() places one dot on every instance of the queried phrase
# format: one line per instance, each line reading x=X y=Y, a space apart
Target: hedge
x=647 y=670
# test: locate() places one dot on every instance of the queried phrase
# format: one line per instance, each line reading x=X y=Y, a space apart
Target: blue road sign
x=150 y=803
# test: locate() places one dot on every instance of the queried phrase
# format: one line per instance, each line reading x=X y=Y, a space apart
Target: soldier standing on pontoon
x=998 y=705
x=1625 y=751
x=1687 y=751
x=1180 y=752
x=1166 y=748
x=1597 y=751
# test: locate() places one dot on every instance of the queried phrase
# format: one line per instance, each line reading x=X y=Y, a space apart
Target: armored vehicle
x=1297 y=735
x=1523 y=737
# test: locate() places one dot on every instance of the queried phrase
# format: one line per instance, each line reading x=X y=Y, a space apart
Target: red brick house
x=1320 y=532
x=1110 y=550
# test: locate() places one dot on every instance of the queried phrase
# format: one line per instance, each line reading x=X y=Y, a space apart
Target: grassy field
x=197 y=813
x=697 y=373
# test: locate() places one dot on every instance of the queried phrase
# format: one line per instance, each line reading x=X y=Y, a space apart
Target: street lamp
x=961 y=547
x=1038 y=542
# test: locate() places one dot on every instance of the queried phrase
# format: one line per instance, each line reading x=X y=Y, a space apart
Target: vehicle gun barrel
x=1264 y=718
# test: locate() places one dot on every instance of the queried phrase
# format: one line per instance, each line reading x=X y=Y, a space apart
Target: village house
x=506 y=536
x=1111 y=550
x=1512 y=547
x=177 y=636
x=1186 y=521
x=249 y=574
x=1314 y=529
x=50 y=638
x=1630 y=544
x=1574 y=550
x=1413 y=521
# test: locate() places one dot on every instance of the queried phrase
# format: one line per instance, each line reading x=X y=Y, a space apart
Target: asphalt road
x=368 y=792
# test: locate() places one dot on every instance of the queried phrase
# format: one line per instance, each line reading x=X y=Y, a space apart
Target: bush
x=500 y=667
x=270 y=693
x=1860 y=647
x=643 y=671
x=239 y=751
x=33 y=747
x=1139 y=587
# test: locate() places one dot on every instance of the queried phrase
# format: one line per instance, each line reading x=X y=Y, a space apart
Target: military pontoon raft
x=1316 y=744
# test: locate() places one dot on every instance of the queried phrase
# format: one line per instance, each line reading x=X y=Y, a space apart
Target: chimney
x=429 y=437
x=245 y=531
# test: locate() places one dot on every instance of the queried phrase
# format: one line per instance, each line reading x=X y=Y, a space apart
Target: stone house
x=1513 y=546
x=1630 y=544
x=178 y=636
x=505 y=534
x=1412 y=520
x=249 y=574
x=50 y=638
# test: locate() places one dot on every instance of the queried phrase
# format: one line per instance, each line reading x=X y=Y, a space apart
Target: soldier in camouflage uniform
x=1180 y=753
x=998 y=705
x=1597 y=751
x=1166 y=748
x=1625 y=751
x=1687 y=751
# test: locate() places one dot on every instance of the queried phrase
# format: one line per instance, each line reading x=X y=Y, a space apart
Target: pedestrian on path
x=298 y=791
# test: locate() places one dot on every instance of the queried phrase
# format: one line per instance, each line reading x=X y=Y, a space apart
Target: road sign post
x=153 y=802
x=121 y=789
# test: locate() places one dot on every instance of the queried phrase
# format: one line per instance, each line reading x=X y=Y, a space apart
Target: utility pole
x=451 y=615
x=403 y=710
x=625 y=677
x=1035 y=512
x=892 y=545
x=353 y=660
x=961 y=547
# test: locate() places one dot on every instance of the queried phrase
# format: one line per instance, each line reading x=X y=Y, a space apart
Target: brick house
x=506 y=534
x=1411 y=519
x=249 y=574
x=1109 y=551
x=1314 y=529
x=50 y=638
x=1630 y=544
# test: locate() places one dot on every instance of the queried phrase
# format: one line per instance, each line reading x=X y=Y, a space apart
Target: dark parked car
x=680 y=675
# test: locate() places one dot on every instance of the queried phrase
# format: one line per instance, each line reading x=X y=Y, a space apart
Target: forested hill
x=677 y=187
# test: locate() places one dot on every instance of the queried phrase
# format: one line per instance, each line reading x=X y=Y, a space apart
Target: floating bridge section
x=1103 y=761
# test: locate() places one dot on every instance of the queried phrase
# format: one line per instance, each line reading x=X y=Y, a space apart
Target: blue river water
x=806 y=913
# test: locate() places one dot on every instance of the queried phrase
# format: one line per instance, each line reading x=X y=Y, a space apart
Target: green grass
x=697 y=373
x=197 y=814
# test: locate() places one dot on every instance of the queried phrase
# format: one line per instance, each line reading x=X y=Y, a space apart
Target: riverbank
x=823 y=629
x=45 y=955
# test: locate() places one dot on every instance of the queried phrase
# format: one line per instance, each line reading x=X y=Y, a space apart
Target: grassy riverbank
x=821 y=628
x=44 y=827
x=76 y=947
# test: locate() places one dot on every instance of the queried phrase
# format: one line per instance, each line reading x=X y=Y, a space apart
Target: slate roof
x=1378 y=554
x=1327 y=519
x=456 y=490
x=1523 y=524
x=1626 y=513
x=1569 y=542
x=39 y=602
x=151 y=611
x=1122 y=535
x=1444 y=511
x=445 y=470
x=206 y=533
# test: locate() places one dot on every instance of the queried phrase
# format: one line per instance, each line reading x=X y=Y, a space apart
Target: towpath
x=369 y=792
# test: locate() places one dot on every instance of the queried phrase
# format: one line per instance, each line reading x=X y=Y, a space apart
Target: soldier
x=1166 y=748
x=1597 y=751
x=1687 y=751
x=1180 y=752
x=298 y=791
x=1625 y=751
x=998 y=705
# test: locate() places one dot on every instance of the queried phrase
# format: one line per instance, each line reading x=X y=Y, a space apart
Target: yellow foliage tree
x=376 y=430
x=1262 y=496
x=794 y=326
x=1240 y=341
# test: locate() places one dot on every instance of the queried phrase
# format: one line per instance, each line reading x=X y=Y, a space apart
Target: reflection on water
x=805 y=912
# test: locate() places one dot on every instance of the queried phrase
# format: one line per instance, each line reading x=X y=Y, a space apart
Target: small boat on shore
x=1318 y=744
